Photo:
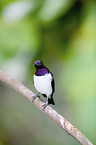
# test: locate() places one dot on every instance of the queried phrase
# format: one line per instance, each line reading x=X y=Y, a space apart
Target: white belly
x=43 y=84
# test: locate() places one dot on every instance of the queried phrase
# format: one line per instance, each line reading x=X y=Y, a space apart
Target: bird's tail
x=51 y=101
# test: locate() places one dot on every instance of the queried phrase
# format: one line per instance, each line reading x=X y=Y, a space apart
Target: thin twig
x=50 y=112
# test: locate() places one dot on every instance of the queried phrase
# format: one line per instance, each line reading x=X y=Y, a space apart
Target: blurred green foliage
x=62 y=33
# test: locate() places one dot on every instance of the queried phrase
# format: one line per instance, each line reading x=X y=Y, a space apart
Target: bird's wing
x=33 y=79
x=53 y=84
x=51 y=100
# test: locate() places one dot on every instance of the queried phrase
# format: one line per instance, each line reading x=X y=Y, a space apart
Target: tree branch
x=50 y=112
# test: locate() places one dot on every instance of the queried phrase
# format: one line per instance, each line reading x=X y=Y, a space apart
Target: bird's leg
x=34 y=97
x=46 y=104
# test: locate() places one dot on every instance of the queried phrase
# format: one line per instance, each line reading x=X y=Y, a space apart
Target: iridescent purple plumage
x=41 y=71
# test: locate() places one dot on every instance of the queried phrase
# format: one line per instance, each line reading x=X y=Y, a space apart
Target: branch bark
x=50 y=112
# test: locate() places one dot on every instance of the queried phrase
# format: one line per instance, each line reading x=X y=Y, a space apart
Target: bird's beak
x=34 y=64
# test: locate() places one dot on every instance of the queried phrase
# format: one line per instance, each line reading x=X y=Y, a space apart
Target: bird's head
x=38 y=64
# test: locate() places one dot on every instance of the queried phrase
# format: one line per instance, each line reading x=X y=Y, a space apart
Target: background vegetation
x=61 y=33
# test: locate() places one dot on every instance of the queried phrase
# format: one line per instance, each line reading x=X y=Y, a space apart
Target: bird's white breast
x=43 y=84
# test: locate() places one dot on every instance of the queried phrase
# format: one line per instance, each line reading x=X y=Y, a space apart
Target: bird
x=44 y=82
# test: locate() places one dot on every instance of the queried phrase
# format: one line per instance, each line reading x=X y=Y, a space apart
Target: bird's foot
x=45 y=105
x=34 y=97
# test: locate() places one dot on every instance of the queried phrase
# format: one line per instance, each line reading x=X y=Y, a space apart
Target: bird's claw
x=45 y=105
x=34 y=97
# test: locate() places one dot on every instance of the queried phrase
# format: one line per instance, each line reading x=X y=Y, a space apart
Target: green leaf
x=52 y=9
